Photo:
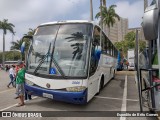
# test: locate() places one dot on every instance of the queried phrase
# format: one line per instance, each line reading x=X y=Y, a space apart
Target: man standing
x=20 y=79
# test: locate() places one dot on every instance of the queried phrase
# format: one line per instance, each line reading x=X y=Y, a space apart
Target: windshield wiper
x=46 y=56
x=54 y=61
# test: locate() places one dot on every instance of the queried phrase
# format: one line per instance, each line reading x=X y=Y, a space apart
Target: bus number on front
x=75 y=82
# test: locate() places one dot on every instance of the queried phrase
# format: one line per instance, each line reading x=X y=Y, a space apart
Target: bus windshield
x=66 y=44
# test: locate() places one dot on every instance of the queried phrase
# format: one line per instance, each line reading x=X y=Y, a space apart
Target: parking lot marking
x=7 y=90
x=134 y=100
x=8 y=107
x=124 y=101
x=15 y=104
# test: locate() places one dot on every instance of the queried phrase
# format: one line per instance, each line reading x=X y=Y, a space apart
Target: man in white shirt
x=11 y=75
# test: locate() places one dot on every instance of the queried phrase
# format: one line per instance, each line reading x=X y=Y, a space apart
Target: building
x=118 y=31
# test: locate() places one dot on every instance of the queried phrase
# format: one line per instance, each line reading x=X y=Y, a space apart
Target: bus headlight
x=76 y=89
x=29 y=82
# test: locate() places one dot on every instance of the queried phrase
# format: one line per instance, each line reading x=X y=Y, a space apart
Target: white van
x=130 y=56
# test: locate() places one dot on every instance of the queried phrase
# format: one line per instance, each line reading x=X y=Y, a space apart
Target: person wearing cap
x=20 y=79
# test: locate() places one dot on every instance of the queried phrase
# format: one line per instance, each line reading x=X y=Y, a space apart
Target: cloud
x=134 y=12
x=25 y=14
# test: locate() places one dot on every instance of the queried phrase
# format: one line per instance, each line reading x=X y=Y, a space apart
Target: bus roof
x=69 y=21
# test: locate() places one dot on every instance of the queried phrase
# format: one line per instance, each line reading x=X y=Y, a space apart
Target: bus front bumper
x=59 y=95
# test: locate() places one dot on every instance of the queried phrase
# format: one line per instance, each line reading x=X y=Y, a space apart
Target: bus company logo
x=6 y=114
x=48 y=85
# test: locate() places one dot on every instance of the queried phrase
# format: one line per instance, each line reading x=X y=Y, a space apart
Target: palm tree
x=109 y=15
x=4 y=25
x=16 y=45
x=30 y=32
x=104 y=3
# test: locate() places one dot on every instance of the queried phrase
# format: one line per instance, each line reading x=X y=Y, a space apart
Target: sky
x=25 y=14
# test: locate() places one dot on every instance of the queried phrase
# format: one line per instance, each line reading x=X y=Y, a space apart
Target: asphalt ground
x=120 y=94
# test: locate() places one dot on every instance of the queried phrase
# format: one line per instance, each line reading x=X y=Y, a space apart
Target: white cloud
x=134 y=12
x=25 y=14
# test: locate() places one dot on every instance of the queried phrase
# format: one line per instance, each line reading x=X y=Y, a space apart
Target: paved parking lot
x=120 y=94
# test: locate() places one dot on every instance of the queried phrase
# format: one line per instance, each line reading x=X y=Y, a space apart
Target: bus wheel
x=101 y=85
x=113 y=75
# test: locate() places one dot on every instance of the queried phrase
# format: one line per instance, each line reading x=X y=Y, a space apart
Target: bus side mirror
x=22 y=47
x=98 y=52
x=150 y=22
x=23 y=44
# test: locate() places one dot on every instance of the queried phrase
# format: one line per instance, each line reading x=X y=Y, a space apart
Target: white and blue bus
x=67 y=63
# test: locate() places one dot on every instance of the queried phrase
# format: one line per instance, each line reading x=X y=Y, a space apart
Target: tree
x=142 y=45
x=109 y=16
x=131 y=36
x=11 y=56
x=104 y=3
x=30 y=32
x=129 y=43
x=4 y=25
x=16 y=45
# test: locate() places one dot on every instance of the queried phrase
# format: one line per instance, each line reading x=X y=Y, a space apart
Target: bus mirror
x=150 y=23
x=22 y=47
x=97 y=52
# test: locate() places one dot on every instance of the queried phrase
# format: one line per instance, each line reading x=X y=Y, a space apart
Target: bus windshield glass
x=69 y=44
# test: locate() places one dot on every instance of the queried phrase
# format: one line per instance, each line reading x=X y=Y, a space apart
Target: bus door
x=94 y=74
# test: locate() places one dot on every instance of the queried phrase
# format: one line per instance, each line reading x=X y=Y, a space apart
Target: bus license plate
x=48 y=95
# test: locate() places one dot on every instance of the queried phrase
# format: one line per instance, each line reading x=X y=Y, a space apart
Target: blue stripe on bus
x=70 y=97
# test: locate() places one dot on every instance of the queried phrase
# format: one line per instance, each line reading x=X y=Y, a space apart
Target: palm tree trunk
x=104 y=5
x=101 y=23
x=3 y=55
x=91 y=10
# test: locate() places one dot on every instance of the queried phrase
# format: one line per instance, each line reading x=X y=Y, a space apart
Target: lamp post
x=91 y=10
x=138 y=71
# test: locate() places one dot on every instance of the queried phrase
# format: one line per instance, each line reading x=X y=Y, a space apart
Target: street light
x=91 y=10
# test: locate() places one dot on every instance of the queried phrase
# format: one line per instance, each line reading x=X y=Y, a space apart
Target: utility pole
x=138 y=71
x=101 y=22
x=91 y=10
x=101 y=14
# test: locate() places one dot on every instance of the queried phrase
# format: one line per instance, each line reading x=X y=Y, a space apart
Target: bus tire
x=101 y=85
x=113 y=74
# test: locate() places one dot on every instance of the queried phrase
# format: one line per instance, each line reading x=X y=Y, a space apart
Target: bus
x=69 y=61
x=9 y=63
x=149 y=59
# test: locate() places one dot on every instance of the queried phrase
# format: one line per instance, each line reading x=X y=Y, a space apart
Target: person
x=7 y=68
x=16 y=71
x=27 y=96
x=20 y=79
x=11 y=75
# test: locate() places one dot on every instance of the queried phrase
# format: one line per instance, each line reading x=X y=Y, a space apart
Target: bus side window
x=95 y=43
